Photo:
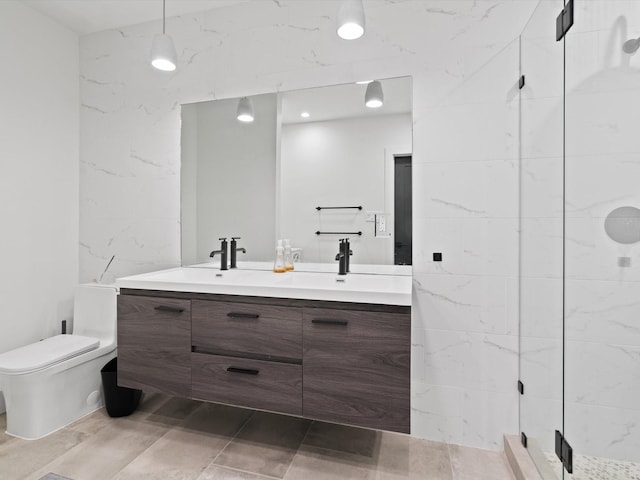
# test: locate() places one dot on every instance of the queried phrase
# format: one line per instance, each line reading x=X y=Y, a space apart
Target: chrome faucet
x=223 y=254
x=234 y=251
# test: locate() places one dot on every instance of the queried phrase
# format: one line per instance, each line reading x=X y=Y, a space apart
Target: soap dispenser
x=278 y=265
x=288 y=257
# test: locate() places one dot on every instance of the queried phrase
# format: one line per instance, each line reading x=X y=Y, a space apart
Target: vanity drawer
x=248 y=383
x=154 y=344
x=258 y=329
x=357 y=367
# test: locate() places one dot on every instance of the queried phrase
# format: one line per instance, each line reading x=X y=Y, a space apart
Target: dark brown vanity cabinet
x=248 y=354
x=339 y=362
x=154 y=344
x=357 y=367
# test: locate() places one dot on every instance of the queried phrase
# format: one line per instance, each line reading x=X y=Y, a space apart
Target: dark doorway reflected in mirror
x=402 y=210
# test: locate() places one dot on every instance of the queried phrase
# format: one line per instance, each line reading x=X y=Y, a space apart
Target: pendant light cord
x=163 y=16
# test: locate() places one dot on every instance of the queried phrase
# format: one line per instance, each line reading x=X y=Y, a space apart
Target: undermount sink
x=359 y=288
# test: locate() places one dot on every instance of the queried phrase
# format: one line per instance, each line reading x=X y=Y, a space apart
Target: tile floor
x=172 y=438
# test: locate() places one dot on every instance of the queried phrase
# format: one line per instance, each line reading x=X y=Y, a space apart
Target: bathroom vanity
x=305 y=344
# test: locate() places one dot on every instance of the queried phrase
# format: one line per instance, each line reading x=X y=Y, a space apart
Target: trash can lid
x=47 y=352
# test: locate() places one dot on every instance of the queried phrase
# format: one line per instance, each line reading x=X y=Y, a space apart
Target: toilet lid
x=46 y=352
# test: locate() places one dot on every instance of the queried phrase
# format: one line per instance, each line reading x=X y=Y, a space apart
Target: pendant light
x=245 y=110
x=351 y=19
x=163 y=52
x=373 y=97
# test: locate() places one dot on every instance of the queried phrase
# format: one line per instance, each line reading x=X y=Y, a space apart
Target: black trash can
x=119 y=401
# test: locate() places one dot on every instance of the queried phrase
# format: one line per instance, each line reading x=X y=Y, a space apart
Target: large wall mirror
x=314 y=166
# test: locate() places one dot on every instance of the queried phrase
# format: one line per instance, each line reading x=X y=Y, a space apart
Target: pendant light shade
x=373 y=97
x=163 y=52
x=245 y=110
x=351 y=19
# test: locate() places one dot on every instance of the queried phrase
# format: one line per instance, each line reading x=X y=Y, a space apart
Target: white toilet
x=51 y=383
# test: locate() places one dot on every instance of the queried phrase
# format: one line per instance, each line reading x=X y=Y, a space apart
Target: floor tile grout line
x=173 y=428
x=142 y=418
x=143 y=451
x=259 y=475
x=333 y=450
x=306 y=434
x=144 y=414
x=213 y=462
x=169 y=428
x=65 y=429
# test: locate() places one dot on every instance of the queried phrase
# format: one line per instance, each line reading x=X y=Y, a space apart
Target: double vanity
x=306 y=343
x=311 y=342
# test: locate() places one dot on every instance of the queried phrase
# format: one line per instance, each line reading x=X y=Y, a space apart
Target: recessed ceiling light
x=305 y=115
x=364 y=82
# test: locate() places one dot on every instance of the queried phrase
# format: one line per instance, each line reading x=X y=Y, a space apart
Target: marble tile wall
x=465 y=326
x=464 y=64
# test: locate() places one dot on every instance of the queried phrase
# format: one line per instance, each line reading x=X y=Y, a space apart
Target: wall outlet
x=381 y=226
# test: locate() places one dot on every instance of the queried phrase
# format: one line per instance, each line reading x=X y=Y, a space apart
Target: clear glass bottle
x=288 y=257
x=278 y=265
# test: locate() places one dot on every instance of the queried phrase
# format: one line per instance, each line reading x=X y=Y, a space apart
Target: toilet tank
x=95 y=311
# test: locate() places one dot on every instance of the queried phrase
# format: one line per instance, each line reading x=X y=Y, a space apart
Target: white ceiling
x=89 y=16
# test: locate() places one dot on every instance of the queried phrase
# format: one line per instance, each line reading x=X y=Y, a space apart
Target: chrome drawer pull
x=242 y=315
x=248 y=371
x=329 y=321
x=166 y=308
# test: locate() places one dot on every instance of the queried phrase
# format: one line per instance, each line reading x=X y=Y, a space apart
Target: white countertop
x=353 y=287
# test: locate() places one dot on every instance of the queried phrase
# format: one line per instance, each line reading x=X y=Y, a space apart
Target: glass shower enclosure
x=579 y=263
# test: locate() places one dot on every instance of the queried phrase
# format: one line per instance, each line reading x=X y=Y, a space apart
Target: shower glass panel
x=602 y=256
x=541 y=152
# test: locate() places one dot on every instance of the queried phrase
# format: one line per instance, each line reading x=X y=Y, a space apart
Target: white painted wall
x=340 y=163
x=465 y=139
x=234 y=178
x=39 y=174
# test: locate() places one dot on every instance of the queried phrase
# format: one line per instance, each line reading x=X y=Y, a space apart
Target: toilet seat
x=47 y=352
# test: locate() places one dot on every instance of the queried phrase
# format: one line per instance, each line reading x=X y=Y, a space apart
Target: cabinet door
x=357 y=368
x=154 y=344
